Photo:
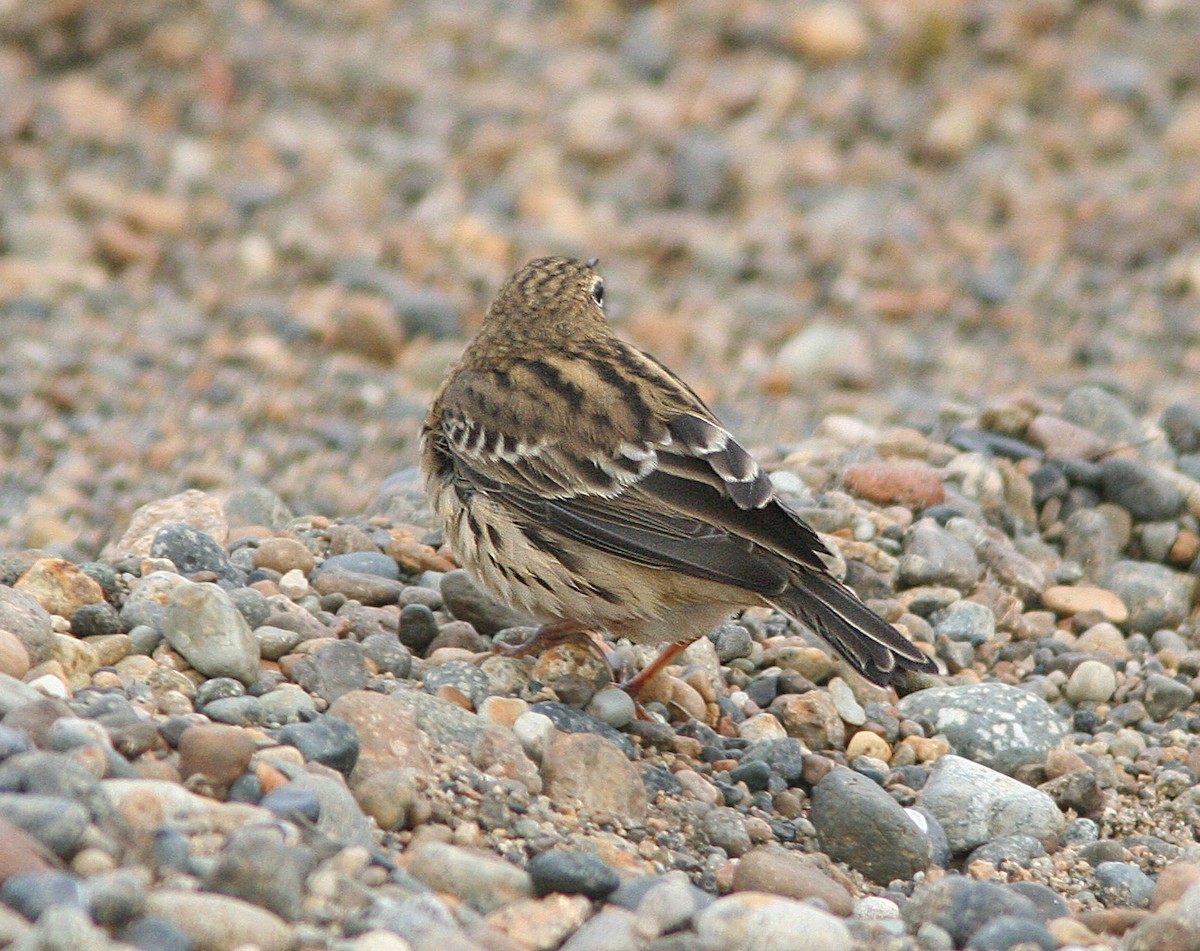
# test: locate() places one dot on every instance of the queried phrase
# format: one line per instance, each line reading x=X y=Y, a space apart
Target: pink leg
x=635 y=685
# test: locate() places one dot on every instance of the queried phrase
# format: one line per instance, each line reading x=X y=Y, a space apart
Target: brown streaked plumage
x=581 y=481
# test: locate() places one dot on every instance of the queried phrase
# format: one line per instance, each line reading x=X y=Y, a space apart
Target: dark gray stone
x=1143 y=491
x=1156 y=596
x=468 y=602
x=852 y=815
x=963 y=906
x=1123 y=885
x=259 y=867
x=332 y=671
x=326 y=739
x=192 y=550
x=572 y=873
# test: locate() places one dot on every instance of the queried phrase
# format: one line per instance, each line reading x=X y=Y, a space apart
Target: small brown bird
x=583 y=482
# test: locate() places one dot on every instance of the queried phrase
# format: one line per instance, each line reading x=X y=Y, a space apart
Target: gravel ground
x=937 y=261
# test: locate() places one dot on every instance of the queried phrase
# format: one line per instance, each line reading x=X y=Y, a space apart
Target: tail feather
x=869 y=643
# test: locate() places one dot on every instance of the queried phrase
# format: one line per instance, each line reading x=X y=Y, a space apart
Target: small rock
x=257 y=866
x=218 y=753
x=1146 y=493
x=996 y=725
x=791 y=875
x=935 y=556
x=914 y=485
x=1122 y=885
x=192 y=551
x=975 y=804
x=593 y=773
x=332 y=671
x=192 y=507
x=1165 y=695
x=852 y=815
x=219 y=922
x=481 y=880
x=572 y=873
x=59 y=586
x=753 y=921
x=1075 y=599
x=203 y=624
x=963 y=906
x=468 y=602
x=1157 y=597
x=324 y=739
x=1092 y=681
x=387 y=733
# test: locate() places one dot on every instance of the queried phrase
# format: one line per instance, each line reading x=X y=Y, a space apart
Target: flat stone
x=998 y=725
x=595 y=775
x=59 y=586
x=975 y=804
x=1069 y=600
x=480 y=879
x=220 y=922
x=387 y=733
x=790 y=875
x=753 y=921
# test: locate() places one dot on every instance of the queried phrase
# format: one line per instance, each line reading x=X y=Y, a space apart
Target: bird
x=581 y=481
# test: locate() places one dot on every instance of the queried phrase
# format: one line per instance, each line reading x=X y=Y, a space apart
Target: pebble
x=327 y=740
x=24 y=618
x=192 y=551
x=1156 y=596
x=334 y=670
x=1166 y=695
x=963 y=907
x=965 y=621
x=220 y=922
x=202 y=624
x=790 y=875
x=57 y=822
x=975 y=804
x=481 y=880
x=595 y=774
x=1092 y=681
x=468 y=602
x=934 y=556
x=1147 y=494
x=257 y=866
x=996 y=725
x=1069 y=600
x=387 y=734
x=59 y=586
x=218 y=753
x=572 y=873
x=752 y=921
x=1122 y=885
x=852 y=815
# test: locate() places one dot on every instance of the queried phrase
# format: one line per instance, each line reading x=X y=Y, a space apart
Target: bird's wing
x=677 y=492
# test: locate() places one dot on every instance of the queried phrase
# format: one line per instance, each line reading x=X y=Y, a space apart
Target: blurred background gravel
x=240 y=241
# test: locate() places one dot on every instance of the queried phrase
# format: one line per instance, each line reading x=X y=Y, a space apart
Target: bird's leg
x=636 y=684
x=554 y=632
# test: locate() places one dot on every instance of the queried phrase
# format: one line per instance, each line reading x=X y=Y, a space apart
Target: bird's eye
x=598 y=293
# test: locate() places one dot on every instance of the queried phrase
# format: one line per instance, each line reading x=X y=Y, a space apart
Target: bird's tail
x=868 y=643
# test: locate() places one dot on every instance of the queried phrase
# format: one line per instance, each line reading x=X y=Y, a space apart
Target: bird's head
x=549 y=298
